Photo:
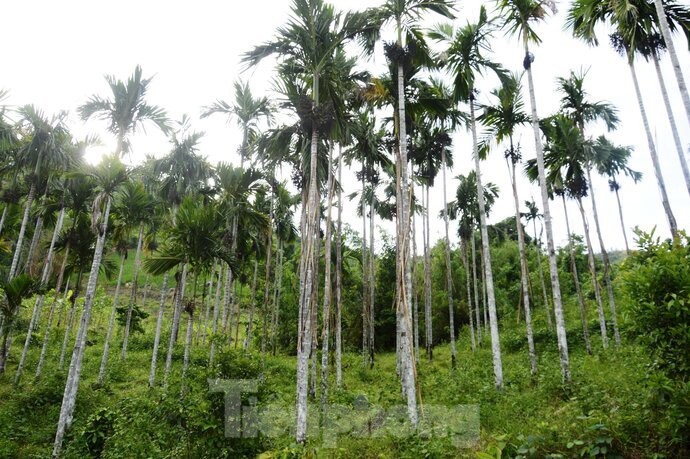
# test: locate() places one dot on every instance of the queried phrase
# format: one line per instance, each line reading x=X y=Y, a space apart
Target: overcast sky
x=56 y=53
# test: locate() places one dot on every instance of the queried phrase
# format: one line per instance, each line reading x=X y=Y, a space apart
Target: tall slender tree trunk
x=22 y=231
x=159 y=326
x=427 y=281
x=547 y=307
x=187 y=348
x=372 y=277
x=267 y=282
x=551 y=248
x=250 y=321
x=4 y=216
x=133 y=292
x=404 y=295
x=72 y=385
x=338 y=278
x=308 y=283
x=668 y=39
x=70 y=320
x=576 y=280
x=449 y=272
x=365 y=282
x=488 y=275
x=620 y=216
x=672 y=121
x=177 y=311
x=415 y=292
x=111 y=323
x=473 y=340
x=47 y=268
x=35 y=239
x=476 y=290
x=524 y=271
x=652 y=152
x=216 y=312
x=607 y=262
x=595 y=279
x=327 y=287
x=276 y=299
x=51 y=314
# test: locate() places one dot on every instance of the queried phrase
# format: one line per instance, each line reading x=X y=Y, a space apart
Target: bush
x=656 y=280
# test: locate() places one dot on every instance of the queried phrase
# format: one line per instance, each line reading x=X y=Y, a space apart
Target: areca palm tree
x=126 y=109
x=581 y=110
x=503 y=119
x=634 y=24
x=46 y=149
x=611 y=161
x=247 y=112
x=13 y=292
x=533 y=215
x=518 y=19
x=306 y=46
x=109 y=175
x=466 y=60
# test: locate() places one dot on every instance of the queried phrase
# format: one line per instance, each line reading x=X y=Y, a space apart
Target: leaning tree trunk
x=551 y=248
x=159 y=326
x=672 y=121
x=576 y=280
x=133 y=292
x=51 y=314
x=327 y=288
x=22 y=231
x=595 y=280
x=177 y=312
x=47 y=268
x=652 y=151
x=620 y=216
x=524 y=272
x=111 y=323
x=72 y=385
x=38 y=229
x=449 y=273
x=607 y=263
x=668 y=39
x=473 y=339
x=4 y=216
x=489 y=281
x=70 y=320
x=338 y=278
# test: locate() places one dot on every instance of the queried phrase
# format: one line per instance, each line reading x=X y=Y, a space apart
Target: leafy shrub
x=656 y=280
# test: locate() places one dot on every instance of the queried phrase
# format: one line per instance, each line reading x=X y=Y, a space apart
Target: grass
x=533 y=415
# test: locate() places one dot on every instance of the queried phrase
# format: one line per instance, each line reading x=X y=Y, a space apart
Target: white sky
x=56 y=54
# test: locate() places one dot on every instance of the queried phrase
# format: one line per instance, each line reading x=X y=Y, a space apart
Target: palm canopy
x=367 y=146
x=634 y=21
x=308 y=43
x=14 y=291
x=612 y=160
x=518 y=16
x=575 y=104
x=464 y=55
x=503 y=118
x=183 y=171
x=108 y=176
x=126 y=109
x=405 y=14
x=466 y=204
x=247 y=111
x=195 y=237
x=48 y=145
